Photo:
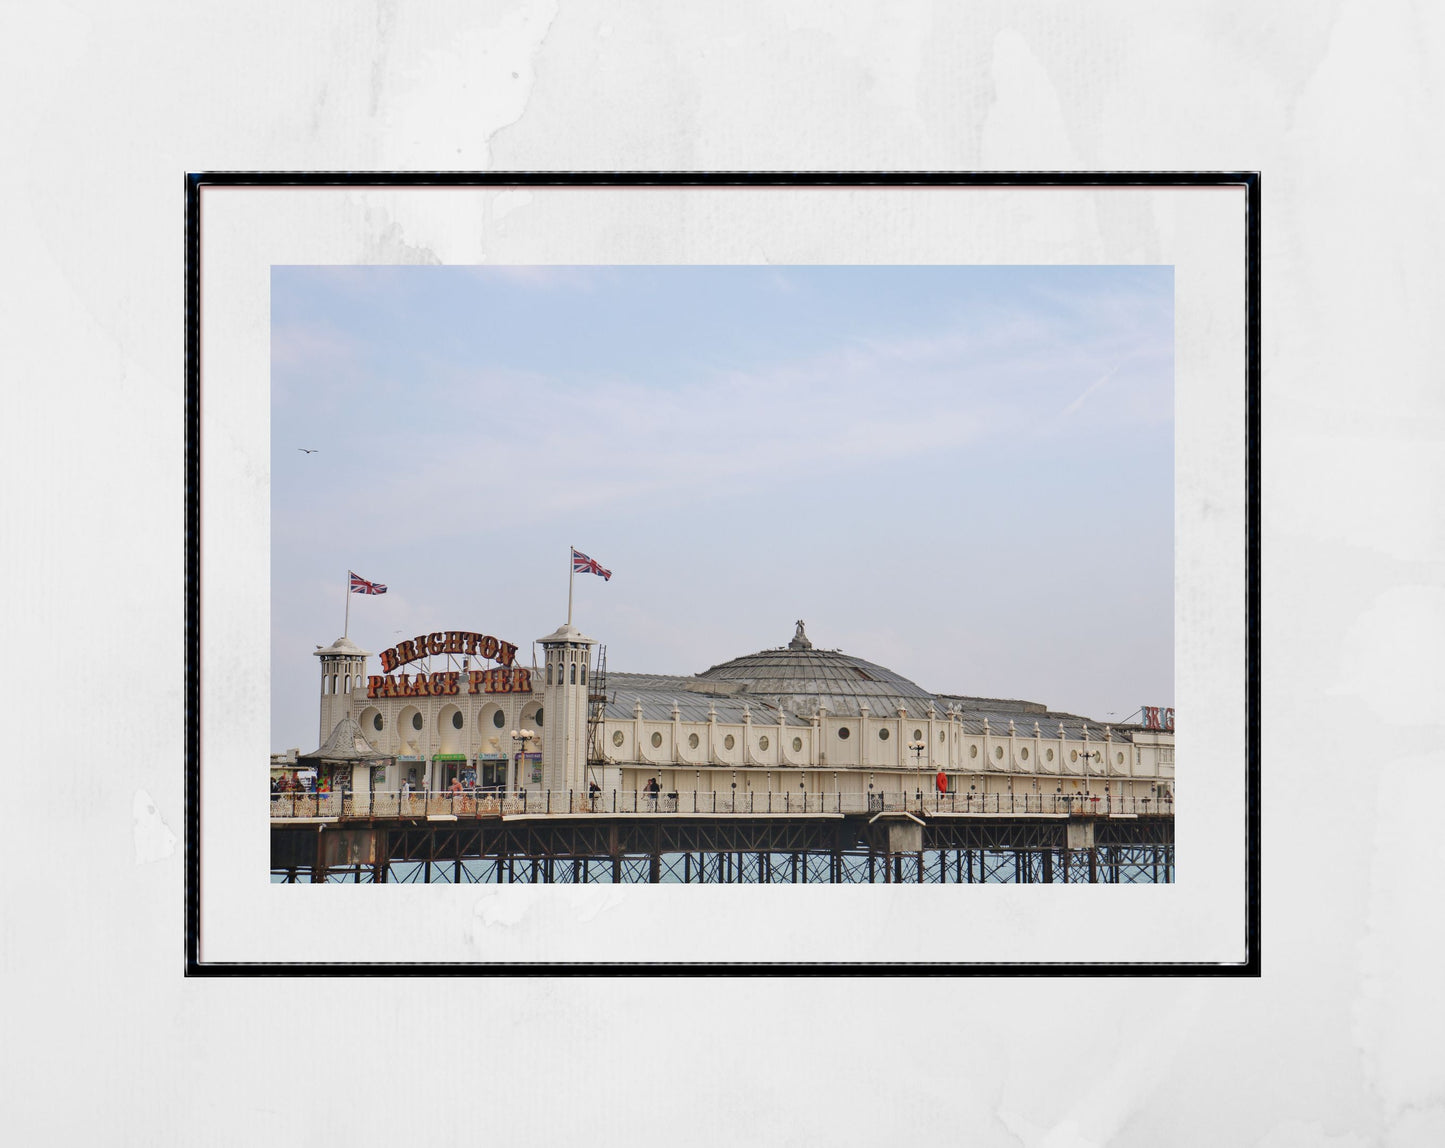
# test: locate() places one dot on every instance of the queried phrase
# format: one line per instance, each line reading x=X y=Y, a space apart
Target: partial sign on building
x=1158 y=717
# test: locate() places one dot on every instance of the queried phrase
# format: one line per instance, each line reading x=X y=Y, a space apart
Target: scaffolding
x=596 y=711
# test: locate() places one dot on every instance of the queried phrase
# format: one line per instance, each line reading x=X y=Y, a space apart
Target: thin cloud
x=1077 y=404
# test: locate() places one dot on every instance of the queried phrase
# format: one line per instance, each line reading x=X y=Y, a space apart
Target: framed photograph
x=601 y=564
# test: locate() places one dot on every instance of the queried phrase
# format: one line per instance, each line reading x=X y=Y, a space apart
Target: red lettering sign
x=1156 y=717
x=447 y=683
x=448 y=642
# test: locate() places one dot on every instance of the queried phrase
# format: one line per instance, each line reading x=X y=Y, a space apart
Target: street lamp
x=521 y=737
x=918 y=747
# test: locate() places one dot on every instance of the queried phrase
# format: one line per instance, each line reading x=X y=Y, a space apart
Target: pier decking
x=713 y=837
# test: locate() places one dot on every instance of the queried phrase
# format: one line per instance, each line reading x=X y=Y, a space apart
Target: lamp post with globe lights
x=520 y=738
x=917 y=748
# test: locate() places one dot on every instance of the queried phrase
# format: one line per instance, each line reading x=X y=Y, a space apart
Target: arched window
x=549 y=673
x=574 y=673
x=347 y=687
x=333 y=683
x=584 y=673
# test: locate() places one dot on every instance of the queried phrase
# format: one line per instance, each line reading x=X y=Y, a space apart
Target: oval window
x=692 y=740
x=918 y=735
x=797 y=744
x=457 y=720
x=617 y=738
x=416 y=721
x=499 y=719
x=538 y=718
x=1051 y=755
x=1024 y=753
x=1119 y=758
x=376 y=722
x=728 y=742
x=843 y=733
x=973 y=751
x=998 y=752
x=1073 y=755
x=763 y=742
x=883 y=735
x=656 y=740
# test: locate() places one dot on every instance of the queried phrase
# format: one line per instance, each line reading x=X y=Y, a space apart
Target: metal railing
x=420 y=804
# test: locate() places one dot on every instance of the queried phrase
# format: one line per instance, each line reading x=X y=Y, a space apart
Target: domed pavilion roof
x=802 y=678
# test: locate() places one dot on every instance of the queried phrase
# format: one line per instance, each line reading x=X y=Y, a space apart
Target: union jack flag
x=360 y=585
x=581 y=564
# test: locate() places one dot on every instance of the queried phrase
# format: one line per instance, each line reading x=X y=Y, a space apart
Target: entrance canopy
x=346 y=746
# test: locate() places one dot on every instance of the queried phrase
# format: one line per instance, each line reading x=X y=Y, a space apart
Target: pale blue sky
x=962 y=473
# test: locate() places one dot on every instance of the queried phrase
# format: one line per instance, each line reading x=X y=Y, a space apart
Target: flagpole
x=571 y=574
x=347 y=629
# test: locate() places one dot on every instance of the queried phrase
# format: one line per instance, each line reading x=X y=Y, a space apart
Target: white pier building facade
x=457 y=707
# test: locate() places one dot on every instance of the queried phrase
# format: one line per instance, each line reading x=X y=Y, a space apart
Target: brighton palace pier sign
x=507 y=678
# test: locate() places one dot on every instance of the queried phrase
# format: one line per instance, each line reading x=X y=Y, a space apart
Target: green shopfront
x=450 y=767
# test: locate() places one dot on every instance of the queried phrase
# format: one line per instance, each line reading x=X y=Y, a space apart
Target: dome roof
x=342 y=648
x=803 y=678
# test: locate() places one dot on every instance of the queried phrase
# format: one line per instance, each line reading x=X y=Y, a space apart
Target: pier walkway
x=705 y=837
x=470 y=804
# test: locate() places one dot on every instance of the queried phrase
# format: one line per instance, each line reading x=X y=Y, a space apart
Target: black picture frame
x=1250 y=264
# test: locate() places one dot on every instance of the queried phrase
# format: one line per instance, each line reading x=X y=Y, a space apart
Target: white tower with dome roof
x=343 y=671
x=567 y=654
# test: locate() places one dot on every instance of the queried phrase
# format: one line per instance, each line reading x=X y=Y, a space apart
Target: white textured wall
x=1338 y=103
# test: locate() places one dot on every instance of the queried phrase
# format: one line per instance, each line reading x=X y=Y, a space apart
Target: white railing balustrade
x=474 y=803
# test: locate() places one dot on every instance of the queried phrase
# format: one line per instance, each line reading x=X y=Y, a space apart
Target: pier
x=618 y=837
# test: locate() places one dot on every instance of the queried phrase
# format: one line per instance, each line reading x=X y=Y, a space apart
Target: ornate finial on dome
x=800 y=639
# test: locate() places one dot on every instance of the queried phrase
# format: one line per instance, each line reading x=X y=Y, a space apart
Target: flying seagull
x=303 y=449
